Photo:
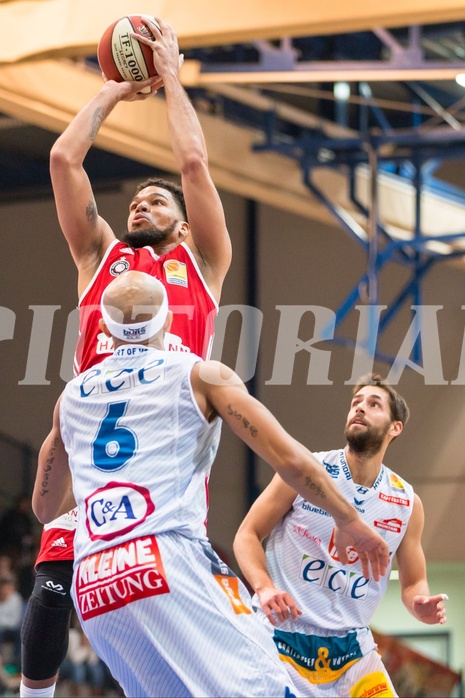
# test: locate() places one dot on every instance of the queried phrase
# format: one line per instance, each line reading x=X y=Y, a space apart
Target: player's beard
x=368 y=441
x=151 y=237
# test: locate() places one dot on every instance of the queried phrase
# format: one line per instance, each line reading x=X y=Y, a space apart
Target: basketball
x=120 y=56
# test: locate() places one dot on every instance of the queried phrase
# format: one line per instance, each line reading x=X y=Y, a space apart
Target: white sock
x=26 y=692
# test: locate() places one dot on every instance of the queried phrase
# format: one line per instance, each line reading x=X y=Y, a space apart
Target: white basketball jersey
x=140 y=451
x=302 y=559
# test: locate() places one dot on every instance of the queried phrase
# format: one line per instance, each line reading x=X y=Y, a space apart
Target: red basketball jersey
x=194 y=310
x=193 y=306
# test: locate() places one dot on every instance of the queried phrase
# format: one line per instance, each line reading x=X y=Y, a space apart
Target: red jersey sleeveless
x=194 y=310
x=193 y=306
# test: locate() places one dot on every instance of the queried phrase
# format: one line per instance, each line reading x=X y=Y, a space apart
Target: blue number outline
x=110 y=431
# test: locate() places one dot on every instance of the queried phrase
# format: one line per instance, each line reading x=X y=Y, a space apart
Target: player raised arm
x=88 y=235
x=209 y=239
x=220 y=391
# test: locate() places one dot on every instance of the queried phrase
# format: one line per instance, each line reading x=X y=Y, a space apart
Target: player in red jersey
x=177 y=234
x=193 y=304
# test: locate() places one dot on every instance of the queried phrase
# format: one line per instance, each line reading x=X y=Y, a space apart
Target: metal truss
x=430 y=132
x=413 y=155
x=278 y=61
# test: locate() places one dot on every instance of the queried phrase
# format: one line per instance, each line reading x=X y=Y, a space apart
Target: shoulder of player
x=213 y=373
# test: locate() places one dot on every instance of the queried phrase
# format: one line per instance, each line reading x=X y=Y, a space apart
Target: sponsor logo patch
x=394 y=500
x=104 y=344
x=117 y=509
x=374 y=684
x=396 y=483
x=319 y=660
x=59 y=543
x=117 y=576
x=394 y=525
x=119 y=267
x=133 y=333
x=66 y=521
x=331 y=469
x=57 y=588
x=337 y=579
x=317 y=510
x=174 y=343
x=305 y=533
x=230 y=586
x=352 y=555
x=175 y=272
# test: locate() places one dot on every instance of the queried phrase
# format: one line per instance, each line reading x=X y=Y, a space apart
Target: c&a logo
x=116 y=509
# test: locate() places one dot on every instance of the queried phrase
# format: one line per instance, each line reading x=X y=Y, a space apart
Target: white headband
x=137 y=331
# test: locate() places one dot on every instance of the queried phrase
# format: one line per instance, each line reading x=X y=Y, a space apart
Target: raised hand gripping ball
x=120 y=56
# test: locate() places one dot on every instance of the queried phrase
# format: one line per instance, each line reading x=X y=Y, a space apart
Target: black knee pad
x=45 y=626
x=44 y=639
x=52 y=585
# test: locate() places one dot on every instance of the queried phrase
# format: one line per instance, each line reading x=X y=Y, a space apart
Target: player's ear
x=184 y=229
x=103 y=327
x=396 y=428
x=168 y=321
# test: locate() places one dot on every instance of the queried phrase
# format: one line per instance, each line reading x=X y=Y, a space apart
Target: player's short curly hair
x=399 y=409
x=174 y=188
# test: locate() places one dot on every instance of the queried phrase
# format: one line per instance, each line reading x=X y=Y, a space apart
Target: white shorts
x=367 y=677
x=194 y=633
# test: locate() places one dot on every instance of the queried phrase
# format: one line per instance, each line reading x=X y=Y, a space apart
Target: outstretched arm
x=412 y=573
x=87 y=234
x=52 y=495
x=219 y=387
x=209 y=239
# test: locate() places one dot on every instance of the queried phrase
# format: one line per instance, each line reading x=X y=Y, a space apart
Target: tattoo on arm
x=97 y=121
x=317 y=489
x=245 y=422
x=91 y=212
x=48 y=467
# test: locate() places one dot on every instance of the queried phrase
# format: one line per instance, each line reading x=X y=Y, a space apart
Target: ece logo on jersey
x=117 y=509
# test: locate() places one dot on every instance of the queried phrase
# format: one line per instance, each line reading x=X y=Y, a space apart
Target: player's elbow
x=42 y=509
x=60 y=159
x=243 y=533
x=291 y=464
x=245 y=541
x=194 y=163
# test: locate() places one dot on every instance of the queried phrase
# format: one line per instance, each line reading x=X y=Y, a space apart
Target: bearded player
x=176 y=234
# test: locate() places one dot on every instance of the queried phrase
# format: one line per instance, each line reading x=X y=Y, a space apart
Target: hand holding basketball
x=165 y=49
x=136 y=48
